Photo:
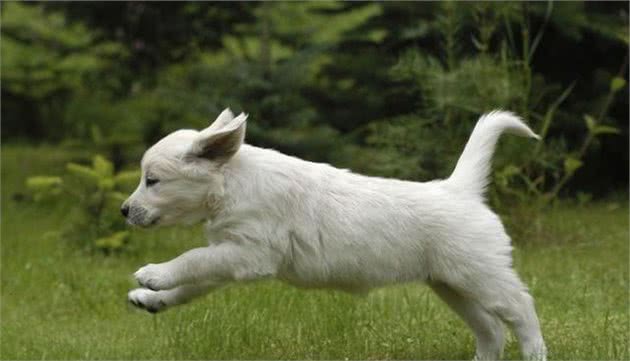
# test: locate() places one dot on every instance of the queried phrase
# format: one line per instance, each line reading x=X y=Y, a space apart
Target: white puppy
x=313 y=225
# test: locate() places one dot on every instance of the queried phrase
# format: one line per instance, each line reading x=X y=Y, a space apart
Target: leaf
x=478 y=44
x=541 y=31
x=126 y=177
x=549 y=115
x=97 y=135
x=504 y=175
x=116 y=197
x=44 y=187
x=510 y=170
x=106 y=184
x=415 y=31
x=606 y=129
x=43 y=182
x=583 y=197
x=617 y=83
x=112 y=242
x=376 y=35
x=590 y=122
x=571 y=165
x=102 y=166
x=83 y=172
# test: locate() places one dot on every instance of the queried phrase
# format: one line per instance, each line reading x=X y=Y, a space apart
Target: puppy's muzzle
x=138 y=216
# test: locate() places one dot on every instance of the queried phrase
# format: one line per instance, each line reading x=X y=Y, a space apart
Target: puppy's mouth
x=141 y=218
x=151 y=223
x=143 y=224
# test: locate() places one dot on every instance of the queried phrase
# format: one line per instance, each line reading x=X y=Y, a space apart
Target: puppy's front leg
x=213 y=265
x=155 y=301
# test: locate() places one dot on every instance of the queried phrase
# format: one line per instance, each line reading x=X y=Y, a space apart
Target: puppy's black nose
x=124 y=210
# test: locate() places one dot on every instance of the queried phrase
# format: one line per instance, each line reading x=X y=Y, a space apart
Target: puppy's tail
x=473 y=167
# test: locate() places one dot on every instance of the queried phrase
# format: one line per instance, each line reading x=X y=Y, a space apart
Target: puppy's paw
x=154 y=277
x=146 y=299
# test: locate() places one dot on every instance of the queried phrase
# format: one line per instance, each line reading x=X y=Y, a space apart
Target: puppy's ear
x=220 y=143
x=222 y=120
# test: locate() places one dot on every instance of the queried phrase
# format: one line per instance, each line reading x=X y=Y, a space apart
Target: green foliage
x=45 y=61
x=456 y=88
x=44 y=187
x=96 y=192
x=390 y=89
x=115 y=241
x=43 y=54
x=617 y=84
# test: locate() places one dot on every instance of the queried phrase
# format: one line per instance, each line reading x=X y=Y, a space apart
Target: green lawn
x=59 y=303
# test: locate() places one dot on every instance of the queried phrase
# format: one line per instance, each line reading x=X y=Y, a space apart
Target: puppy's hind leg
x=488 y=328
x=516 y=308
x=499 y=291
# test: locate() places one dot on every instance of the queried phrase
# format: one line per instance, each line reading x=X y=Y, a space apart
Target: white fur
x=313 y=225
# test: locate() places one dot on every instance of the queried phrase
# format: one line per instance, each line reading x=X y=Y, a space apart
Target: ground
x=61 y=303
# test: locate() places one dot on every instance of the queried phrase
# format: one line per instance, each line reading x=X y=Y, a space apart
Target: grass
x=61 y=303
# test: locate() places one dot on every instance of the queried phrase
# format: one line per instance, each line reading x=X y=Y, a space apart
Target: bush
x=97 y=192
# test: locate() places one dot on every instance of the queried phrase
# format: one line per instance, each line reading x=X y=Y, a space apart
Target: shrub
x=97 y=193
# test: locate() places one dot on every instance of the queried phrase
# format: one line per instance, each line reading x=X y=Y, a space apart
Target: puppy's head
x=182 y=174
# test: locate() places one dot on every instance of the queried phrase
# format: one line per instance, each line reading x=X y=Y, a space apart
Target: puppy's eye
x=151 y=181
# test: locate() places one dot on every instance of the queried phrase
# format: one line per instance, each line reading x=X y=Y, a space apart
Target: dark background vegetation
x=389 y=88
